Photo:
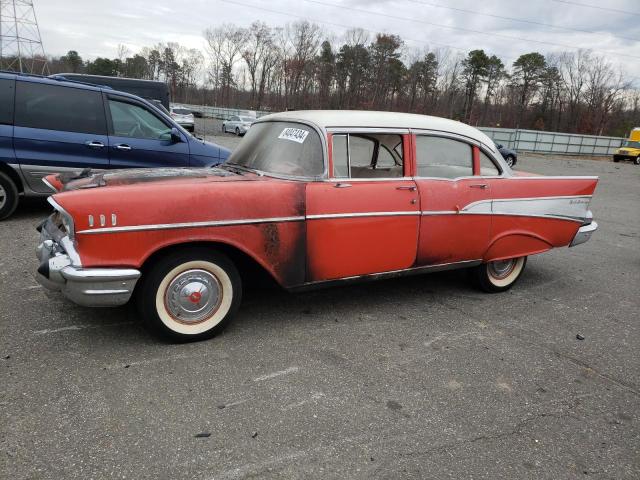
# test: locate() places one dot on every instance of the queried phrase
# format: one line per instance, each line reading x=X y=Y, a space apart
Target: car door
x=57 y=128
x=364 y=219
x=450 y=232
x=139 y=138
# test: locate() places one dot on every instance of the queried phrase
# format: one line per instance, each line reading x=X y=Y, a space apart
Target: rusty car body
x=312 y=198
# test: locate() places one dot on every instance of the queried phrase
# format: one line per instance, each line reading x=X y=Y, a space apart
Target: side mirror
x=175 y=135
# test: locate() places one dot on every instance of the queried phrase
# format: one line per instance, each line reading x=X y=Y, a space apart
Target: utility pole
x=21 y=47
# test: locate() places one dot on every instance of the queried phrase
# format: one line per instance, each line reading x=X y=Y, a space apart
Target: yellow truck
x=630 y=149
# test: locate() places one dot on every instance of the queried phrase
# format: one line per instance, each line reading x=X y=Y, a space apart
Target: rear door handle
x=479 y=185
x=94 y=144
x=411 y=188
x=123 y=146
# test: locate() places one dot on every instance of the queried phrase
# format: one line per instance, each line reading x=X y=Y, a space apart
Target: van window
x=53 y=107
x=441 y=157
x=133 y=121
x=6 y=101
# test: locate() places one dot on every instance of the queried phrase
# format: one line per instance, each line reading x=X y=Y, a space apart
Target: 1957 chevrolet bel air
x=311 y=198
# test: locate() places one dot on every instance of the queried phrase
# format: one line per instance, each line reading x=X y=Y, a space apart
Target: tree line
x=299 y=66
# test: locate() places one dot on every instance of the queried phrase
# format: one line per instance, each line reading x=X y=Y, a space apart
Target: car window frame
x=504 y=170
x=132 y=101
x=448 y=137
x=12 y=101
x=348 y=131
x=28 y=81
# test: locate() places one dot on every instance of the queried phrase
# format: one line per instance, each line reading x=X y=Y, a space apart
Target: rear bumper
x=584 y=234
x=60 y=270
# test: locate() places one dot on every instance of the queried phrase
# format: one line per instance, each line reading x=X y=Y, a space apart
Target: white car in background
x=238 y=124
x=183 y=117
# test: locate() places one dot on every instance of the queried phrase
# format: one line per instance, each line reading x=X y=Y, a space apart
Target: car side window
x=443 y=157
x=54 y=107
x=367 y=156
x=6 y=101
x=134 y=121
x=487 y=167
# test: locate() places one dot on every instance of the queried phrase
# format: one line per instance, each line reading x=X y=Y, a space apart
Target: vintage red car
x=311 y=198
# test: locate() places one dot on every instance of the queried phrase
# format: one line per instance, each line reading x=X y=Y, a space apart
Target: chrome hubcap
x=3 y=196
x=502 y=268
x=193 y=296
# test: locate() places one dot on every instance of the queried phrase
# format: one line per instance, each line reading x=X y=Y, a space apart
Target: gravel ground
x=421 y=377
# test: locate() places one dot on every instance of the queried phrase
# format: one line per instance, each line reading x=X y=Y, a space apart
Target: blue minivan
x=50 y=125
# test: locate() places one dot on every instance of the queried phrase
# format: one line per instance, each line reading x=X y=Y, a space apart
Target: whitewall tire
x=499 y=276
x=190 y=294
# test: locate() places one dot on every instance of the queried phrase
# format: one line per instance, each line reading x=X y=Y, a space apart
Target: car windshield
x=182 y=111
x=631 y=144
x=284 y=148
x=247 y=119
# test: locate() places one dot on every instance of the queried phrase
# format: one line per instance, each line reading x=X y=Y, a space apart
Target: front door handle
x=123 y=146
x=342 y=185
x=479 y=185
x=411 y=188
x=94 y=144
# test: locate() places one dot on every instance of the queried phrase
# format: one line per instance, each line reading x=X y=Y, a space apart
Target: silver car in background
x=184 y=118
x=237 y=124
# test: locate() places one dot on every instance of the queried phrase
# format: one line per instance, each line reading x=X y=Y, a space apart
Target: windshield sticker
x=294 y=134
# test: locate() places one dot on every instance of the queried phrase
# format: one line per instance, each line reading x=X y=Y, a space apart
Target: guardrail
x=553 y=142
x=222 y=113
x=517 y=139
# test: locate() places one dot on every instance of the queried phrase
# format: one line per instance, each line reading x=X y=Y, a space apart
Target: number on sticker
x=294 y=134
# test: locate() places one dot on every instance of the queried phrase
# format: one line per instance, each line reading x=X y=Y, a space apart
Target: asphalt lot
x=421 y=377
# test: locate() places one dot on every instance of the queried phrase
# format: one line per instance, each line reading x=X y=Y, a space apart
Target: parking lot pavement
x=421 y=377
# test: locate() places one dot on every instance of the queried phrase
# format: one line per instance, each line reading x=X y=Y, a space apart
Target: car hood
x=65 y=182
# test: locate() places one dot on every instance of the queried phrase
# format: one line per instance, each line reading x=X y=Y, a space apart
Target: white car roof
x=373 y=119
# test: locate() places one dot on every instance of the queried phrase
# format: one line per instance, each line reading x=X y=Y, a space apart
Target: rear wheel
x=237 y=131
x=511 y=160
x=637 y=160
x=190 y=295
x=500 y=275
x=8 y=196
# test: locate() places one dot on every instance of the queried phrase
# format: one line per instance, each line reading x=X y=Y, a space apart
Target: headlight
x=62 y=219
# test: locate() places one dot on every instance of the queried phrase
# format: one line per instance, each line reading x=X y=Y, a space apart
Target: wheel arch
x=516 y=244
x=252 y=269
x=13 y=175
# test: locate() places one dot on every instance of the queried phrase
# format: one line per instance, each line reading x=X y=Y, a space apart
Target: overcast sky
x=96 y=27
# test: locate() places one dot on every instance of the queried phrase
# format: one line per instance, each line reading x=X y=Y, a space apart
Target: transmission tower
x=21 y=47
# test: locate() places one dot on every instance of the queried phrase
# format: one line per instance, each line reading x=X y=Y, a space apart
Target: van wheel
x=8 y=196
x=498 y=276
x=190 y=295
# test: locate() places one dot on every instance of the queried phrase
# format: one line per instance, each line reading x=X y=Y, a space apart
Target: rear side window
x=53 y=107
x=7 y=88
x=443 y=157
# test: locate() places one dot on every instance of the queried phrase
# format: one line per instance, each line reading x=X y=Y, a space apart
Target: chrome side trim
x=438 y=212
x=363 y=214
x=569 y=207
x=169 y=226
x=390 y=274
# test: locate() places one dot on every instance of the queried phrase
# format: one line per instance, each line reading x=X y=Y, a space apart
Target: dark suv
x=50 y=125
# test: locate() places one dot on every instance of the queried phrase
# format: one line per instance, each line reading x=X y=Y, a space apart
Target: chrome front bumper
x=584 y=234
x=60 y=270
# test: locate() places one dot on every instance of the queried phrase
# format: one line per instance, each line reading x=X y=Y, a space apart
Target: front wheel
x=500 y=275
x=637 y=160
x=511 y=160
x=190 y=295
x=8 y=196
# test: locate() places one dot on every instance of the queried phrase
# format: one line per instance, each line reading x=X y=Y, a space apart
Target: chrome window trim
x=48 y=184
x=389 y=179
x=348 y=130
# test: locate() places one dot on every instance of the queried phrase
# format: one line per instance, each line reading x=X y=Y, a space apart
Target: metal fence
x=553 y=142
x=222 y=113
x=517 y=139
